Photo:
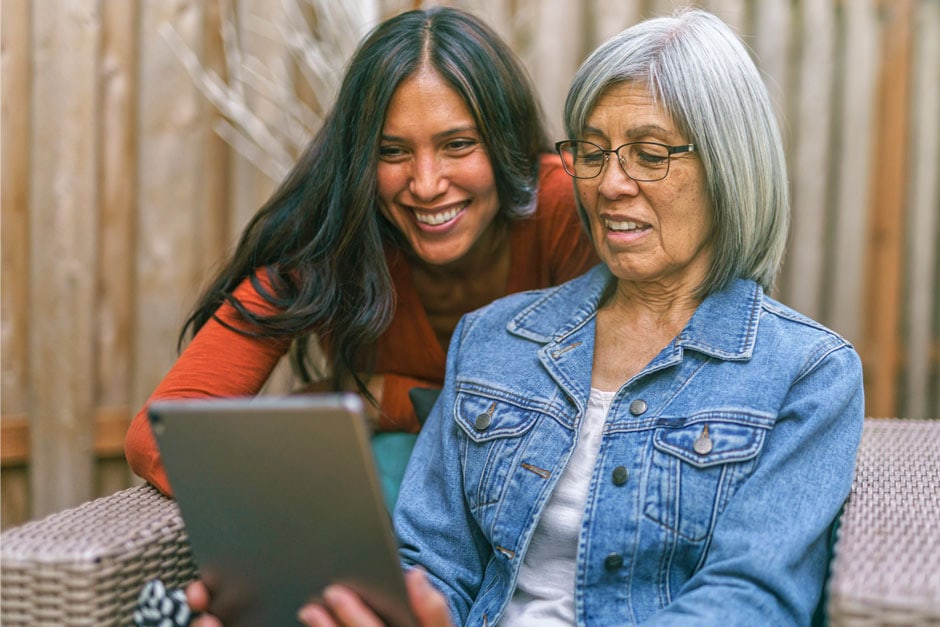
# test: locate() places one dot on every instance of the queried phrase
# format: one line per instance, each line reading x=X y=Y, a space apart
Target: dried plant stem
x=319 y=36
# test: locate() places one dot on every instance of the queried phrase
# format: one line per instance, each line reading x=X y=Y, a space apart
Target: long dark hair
x=320 y=237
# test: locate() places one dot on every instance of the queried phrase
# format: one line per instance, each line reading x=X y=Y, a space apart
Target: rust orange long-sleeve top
x=546 y=249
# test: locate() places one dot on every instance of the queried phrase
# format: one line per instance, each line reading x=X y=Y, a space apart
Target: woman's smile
x=625 y=230
x=439 y=219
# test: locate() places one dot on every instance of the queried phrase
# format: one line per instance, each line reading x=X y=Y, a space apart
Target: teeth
x=627 y=225
x=437 y=218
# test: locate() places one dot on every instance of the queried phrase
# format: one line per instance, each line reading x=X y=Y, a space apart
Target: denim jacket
x=722 y=464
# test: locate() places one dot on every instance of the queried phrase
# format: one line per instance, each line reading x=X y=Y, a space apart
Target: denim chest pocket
x=696 y=468
x=495 y=437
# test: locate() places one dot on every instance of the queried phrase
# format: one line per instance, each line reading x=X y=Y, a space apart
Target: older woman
x=658 y=441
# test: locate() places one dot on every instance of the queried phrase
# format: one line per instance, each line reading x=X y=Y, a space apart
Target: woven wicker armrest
x=886 y=565
x=87 y=565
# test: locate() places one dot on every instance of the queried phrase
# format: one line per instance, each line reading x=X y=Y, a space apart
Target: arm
x=450 y=548
x=218 y=362
x=772 y=572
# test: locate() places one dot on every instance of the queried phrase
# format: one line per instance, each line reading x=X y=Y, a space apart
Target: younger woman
x=428 y=192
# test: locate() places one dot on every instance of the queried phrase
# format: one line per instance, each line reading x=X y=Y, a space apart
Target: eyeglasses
x=641 y=161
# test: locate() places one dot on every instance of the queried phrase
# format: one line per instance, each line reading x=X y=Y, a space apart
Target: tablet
x=280 y=498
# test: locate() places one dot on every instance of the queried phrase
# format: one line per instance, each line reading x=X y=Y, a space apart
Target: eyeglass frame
x=670 y=150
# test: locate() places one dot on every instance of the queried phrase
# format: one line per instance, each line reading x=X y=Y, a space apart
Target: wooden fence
x=117 y=197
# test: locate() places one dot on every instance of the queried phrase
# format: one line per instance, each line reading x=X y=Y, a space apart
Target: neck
x=664 y=307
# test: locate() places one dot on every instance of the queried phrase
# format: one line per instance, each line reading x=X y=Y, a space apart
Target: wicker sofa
x=86 y=565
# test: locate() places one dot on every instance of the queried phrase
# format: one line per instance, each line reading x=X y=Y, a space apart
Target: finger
x=197 y=596
x=348 y=608
x=428 y=603
x=206 y=621
x=315 y=616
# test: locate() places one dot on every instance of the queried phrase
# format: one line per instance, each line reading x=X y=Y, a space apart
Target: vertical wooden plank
x=15 y=80
x=810 y=165
x=117 y=124
x=924 y=222
x=555 y=56
x=214 y=226
x=15 y=57
x=516 y=24
x=933 y=389
x=14 y=496
x=734 y=12
x=772 y=43
x=504 y=19
x=883 y=271
x=64 y=201
x=388 y=8
x=110 y=476
x=607 y=18
x=658 y=8
x=251 y=187
x=171 y=127
x=856 y=97
x=245 y=177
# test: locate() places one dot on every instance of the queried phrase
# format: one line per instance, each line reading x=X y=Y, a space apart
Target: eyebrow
x=633 y=133
x=460 y=130
x=647 y=129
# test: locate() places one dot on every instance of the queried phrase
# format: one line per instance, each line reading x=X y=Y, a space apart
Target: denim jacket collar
x=724 y=325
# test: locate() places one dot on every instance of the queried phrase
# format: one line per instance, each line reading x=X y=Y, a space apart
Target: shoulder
x=742 y=324
x=793 y=323
x=802 y=337
x=498 y=313
x=539 y=313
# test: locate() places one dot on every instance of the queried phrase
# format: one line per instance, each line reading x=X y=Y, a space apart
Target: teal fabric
x=392 y=451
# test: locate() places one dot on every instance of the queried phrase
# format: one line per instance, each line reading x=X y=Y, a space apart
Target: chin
x=439 y=260
x=441 y=253
x=436 y=257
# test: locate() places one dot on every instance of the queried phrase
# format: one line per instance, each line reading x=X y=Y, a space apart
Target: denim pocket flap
x=484 y=419
x=705 y=443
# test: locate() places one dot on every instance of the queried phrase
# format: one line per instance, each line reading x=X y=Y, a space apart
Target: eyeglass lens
x=641 y=161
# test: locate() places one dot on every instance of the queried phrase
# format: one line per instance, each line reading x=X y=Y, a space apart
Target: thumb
x=428 y=603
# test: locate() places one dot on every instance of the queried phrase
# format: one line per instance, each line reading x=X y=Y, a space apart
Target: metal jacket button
x=483 y=420
x=620 y=475
x=703 y=444
x=638 y=407
x=613 y=561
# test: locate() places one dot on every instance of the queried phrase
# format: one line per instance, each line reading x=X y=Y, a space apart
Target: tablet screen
x=280 y=498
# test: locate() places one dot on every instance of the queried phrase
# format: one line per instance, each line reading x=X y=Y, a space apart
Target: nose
x=614 y=181
x=428 y=178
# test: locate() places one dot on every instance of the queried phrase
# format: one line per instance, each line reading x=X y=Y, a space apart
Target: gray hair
x=698 y=69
